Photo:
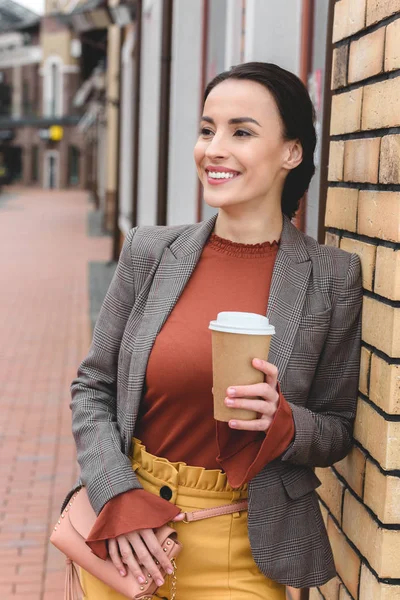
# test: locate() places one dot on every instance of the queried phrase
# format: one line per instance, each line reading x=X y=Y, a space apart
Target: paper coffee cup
x=237 y=338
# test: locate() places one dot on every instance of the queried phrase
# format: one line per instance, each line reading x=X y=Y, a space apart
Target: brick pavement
x=44 y=332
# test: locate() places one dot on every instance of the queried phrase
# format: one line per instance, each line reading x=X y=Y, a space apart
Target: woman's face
x=240 y=153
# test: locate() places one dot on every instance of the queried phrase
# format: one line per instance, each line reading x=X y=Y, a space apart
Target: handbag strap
x=206 y=513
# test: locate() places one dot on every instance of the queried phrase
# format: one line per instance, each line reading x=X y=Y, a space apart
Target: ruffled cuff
x=242 y=454
x=132 y=510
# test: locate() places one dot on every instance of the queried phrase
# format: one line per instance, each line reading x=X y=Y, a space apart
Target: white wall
x=316 y=88
x=149 y=112
x=185 y=111
x=273 y=32
x=126 y=141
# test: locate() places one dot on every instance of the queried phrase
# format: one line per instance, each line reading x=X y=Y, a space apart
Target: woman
x=148 y=372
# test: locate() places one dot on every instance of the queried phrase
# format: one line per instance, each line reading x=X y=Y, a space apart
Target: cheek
x=198 y=154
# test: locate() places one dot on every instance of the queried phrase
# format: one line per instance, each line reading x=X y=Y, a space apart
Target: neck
x=249 y=228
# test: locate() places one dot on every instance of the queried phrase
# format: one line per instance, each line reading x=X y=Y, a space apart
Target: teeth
x=220 y=175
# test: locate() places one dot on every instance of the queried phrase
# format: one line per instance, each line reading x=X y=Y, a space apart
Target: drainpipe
x=116 y=231
x=136 y=51
x=307 y=33
x=164 y=115
x=203 y=84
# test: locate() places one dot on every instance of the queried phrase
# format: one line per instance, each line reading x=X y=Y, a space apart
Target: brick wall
x=360 y=495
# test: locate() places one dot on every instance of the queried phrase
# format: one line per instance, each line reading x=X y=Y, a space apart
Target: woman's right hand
x=142 y=554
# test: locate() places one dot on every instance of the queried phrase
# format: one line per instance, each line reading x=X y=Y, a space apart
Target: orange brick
x=379 y=215
x=352 y=468
x=389 y=171
x=381 y=547
x=365 y=364
x=361 y=160
x=380 y=9
x=385 y=385
x=372 y=589
x=331 y=239
x=331 y=491
x=387 y=274
x=379 y=437
x=343 y=594
x=381 y=105
x=339 y=67
x=382 y=494
x=349 y=17
x=346 y=112
x=392 y=46
x=381 y=326
x=366 y=56
x=341 y=208
x=330 y=590
x=336 y=158
x=347 y=562
x=367 y=253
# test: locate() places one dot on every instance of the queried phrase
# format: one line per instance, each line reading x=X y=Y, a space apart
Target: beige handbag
x=69 y=535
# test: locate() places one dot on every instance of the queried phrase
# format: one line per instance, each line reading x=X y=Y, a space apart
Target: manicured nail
x=141 y=579
x=122 y=573
x=231 y=391
x=170 y=571
x=232 y=423
x=159 y=582
x=229 y=402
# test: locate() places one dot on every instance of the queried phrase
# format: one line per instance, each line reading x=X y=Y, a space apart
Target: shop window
x=35 y=164
x=73 y=165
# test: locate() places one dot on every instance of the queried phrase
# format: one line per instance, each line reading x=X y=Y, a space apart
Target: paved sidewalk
x=44 y=332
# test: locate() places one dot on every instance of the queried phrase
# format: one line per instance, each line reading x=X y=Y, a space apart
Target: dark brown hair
x=298 y=118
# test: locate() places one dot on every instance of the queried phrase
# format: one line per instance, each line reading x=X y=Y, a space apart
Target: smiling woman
x=149 y=448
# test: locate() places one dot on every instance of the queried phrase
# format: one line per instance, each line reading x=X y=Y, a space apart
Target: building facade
x=40 y=74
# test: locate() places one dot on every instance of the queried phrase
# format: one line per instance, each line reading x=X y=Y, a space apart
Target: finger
x=156 y=550
x=126 y=553
x=269 y=370
x=145 y=558
x=253 y=425
x=115 y=557
x=255 y=390
x=259 y=406
x=179 y=517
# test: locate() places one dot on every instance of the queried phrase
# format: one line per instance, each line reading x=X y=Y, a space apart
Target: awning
x=96 y=14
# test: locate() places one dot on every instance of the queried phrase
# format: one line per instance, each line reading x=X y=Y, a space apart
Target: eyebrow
x=235 y=121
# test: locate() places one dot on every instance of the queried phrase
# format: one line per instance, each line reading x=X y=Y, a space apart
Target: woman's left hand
x=263 y=398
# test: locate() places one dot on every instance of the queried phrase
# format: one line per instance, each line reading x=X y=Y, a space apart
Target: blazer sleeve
x=105 y=470
x=323 y=429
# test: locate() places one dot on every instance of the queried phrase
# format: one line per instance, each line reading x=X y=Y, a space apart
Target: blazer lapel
x=289 y=283
x=177 y=264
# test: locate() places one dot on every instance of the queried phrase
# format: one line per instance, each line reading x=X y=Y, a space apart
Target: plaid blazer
x=314 y=304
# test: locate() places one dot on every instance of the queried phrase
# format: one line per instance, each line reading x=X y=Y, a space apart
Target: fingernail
x=231 y=391
x=232 y=423
x=141 y=579
x=229 y=402
x=159 y=582
x=170 y=571
x=122 y=573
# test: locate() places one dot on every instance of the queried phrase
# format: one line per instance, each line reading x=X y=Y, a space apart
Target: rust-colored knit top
x=176 y=416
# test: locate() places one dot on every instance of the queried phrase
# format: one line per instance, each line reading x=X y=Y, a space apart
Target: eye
x=205 y=131
x=242 y=133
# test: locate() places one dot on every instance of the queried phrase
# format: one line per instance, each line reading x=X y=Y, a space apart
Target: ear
x=293 y=154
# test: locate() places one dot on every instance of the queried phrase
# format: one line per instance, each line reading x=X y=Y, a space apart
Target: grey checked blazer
x=314 y=303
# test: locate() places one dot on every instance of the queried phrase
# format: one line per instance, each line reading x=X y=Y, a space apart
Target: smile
x=219 y=177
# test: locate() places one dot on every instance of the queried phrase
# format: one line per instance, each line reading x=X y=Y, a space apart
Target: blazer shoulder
x=334 y=270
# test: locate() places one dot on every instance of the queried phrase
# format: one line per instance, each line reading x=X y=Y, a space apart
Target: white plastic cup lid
x=242 y=322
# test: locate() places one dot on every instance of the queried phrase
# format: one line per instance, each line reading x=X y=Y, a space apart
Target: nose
x=216 y=148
